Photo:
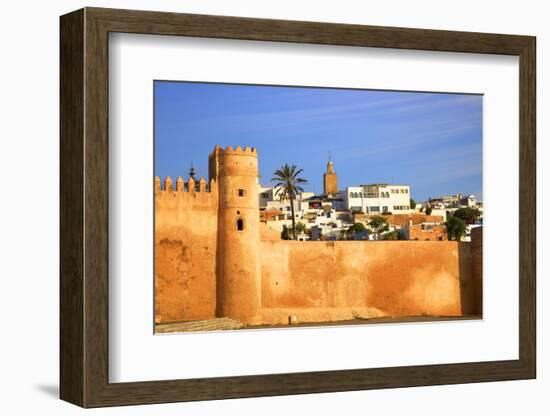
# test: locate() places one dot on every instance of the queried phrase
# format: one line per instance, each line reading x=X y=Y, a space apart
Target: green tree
x=300 y=228
x=413 y=204
x=357 y=227
x=378 y=224
x=392 y=235
x=288 y=184
x=428 y=210
x=468 y=215
x=456 y=228
x=285 y=235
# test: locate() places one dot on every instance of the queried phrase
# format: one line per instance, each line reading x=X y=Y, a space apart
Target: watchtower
x=330 y=180
x=238 y=272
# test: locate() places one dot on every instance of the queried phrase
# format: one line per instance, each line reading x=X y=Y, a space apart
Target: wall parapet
x=237 y=151
x=186 y=187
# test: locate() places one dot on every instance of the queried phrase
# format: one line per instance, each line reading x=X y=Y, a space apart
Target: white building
x=377 y=198
x=270 y=199
x=446 y=205
x=453 y=201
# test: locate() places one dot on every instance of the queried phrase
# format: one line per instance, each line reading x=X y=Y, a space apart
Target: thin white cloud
x=287 y=118
x=404 y=141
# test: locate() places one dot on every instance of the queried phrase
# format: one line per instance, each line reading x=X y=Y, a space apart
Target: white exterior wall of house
x=376 y=199
x=269 y=198
x=353 y=198
x=328 y=222
x=265 y=194
x=284 y=206
x=440 y=212
x=469 y=201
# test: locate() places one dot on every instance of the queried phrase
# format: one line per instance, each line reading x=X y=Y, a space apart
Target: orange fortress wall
x=212 y=258
x=318 y=281
x=185 y=250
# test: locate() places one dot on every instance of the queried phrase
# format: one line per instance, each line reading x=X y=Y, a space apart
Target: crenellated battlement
x=189 y=187
x=237 y=151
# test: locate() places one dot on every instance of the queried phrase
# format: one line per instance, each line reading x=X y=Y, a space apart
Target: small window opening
x=241 y=192
x=240 y=224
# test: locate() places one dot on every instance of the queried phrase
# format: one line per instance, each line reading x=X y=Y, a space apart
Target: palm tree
x=288 y=185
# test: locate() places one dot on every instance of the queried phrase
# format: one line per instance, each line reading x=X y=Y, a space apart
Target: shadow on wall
x=471 y=271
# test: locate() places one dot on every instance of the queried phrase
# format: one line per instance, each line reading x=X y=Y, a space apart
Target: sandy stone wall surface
x=316 y=281
x=185 y=254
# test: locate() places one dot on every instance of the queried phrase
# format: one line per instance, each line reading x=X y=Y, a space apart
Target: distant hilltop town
x=367 y=212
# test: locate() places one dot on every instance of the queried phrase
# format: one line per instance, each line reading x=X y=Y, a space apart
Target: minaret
x=238 y=273
x=330 y=180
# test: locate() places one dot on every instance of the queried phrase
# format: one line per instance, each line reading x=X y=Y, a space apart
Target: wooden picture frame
x=84 y=207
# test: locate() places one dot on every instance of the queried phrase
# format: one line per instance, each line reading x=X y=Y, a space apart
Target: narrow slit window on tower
x=240 y=224
x=240 y=192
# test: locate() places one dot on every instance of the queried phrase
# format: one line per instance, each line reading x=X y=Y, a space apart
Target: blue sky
x=430 y=141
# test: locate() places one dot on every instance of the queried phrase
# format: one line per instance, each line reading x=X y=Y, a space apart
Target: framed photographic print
x=255 y=207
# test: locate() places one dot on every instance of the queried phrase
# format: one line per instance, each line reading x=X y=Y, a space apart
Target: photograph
x=292 y=206
x=275 y=205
